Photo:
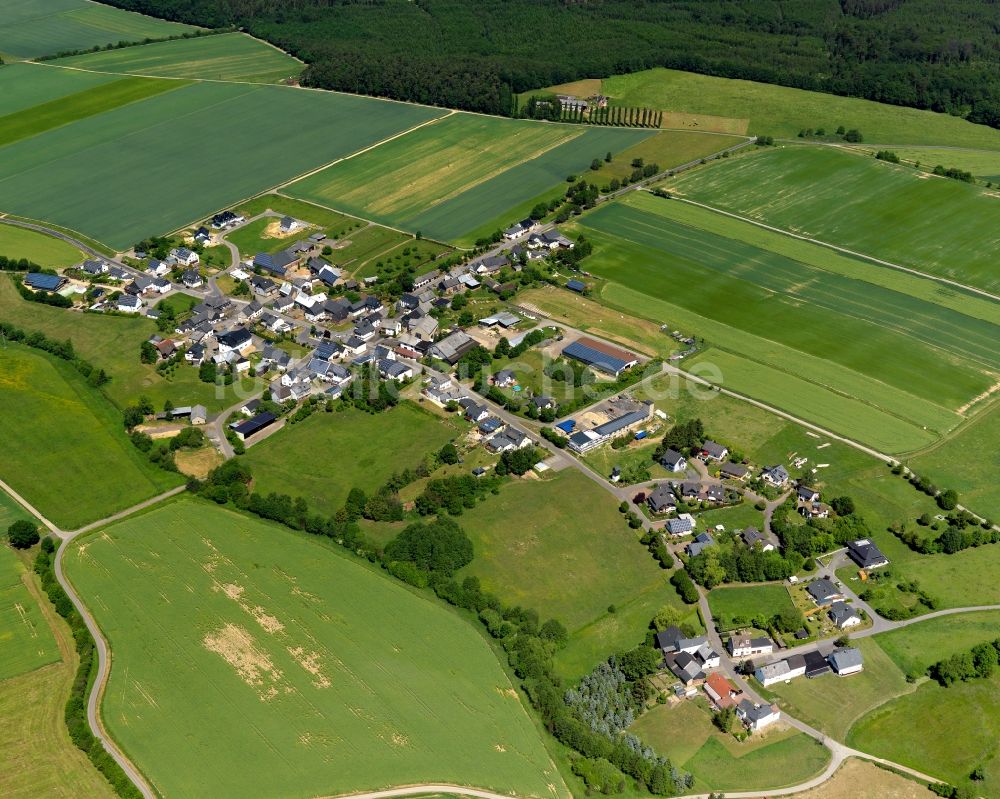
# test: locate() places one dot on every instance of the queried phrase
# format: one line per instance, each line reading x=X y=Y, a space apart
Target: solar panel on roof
x=592 y=357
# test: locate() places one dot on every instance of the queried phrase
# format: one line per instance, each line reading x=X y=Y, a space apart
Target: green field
x=16 y=242
x=452 y=177
x=366 y=243
x=65 y=450
x=774 y=759
x=328 y=454
x=916 y=647
x=250 y=239
x=228 y=57
x=984 y=164
x=26 y=642
x=51 y=175
x=749 y=601
x=780 y=111
x=289 y=206
x=46 y=27
x=667 y=148
x=532 y=549
x=252 y=661
x=25 y=85
x=939 y=226
x=10 y=511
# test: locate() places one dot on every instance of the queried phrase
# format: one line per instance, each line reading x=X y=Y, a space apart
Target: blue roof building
x=39 y=282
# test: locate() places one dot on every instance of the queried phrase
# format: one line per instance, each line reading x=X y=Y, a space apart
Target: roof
x=714 y=449
x=678 y=526
x=623 y=421
x=37 y=280
x=576 y=285
x=599 y=355
x=671 y=458
x=256 y=424
x=661 y=497
x=847 y=658
x=234 y=338
x=816 y=664
x=668 y=638
x=840 y=612
x=734 y=469
x=822 y=589
x=865 y=553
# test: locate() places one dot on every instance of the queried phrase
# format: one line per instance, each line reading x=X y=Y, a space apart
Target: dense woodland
x=474 y=54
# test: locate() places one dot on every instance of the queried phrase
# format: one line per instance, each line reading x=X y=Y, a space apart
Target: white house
x=756 y=717
x=843 y=615
x=129 y=304
x=788 y=669
x=846 y=661
x=184 y=256
x=237 y=340
x=743 y=645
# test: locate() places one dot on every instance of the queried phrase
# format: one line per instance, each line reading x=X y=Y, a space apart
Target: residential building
x=236 y=340
x=756 y=717
x=824 y=591
x=775 y=475
x=846 y=661
x=744 y=645
x=843 y=615
x=673 y=461
x=788 y=669
x=661 y=499
x=866 y=554
x=753 y=537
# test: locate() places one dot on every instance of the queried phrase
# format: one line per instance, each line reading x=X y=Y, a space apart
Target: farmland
x=80 y=447
x=452 y=177
x=935 y=225
x=25 y=85
x=984 y=164
x=780 y=111
x=50 y=175
x=47 y=27
x=667 y=148
x=227 y=57
x=44 y=250
x=324 y=457
x=249 y=660
x=26 y=642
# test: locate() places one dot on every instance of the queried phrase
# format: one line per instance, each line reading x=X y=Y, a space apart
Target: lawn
x=365 y=244
x=249 y=660
x=773 y=759
x=325 y=456
x=26 y=642
x=532 y=532
x=780 y=111
x=229 y=57
x=452 y=177
x=44 y=250
x=47 y=27
x=66 y=451
x=50 y=175
x=748 y=601
x=733 y=517
x=112 y=343
x=10 y=511
x=939 y=226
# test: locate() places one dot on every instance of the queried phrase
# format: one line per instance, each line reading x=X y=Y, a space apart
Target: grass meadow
x=66 y=451
x=47 y=27
x=773 y=759
x=668 y=148
x=939 y=226
x=228 y=56
x=749 y=600
x=26 y=642
x=461 y=173
x=328 y=454
x=984 y=164
x=44 y=250
x=249 y=660
x=781 y=111
x=51 y=175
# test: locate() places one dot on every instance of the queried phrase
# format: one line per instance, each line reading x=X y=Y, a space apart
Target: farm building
x=586 y=440
x=41 y=282
x=255 y=425
x=596 y=354
x=576 y=285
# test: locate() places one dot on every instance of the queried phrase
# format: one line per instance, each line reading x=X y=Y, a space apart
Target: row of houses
x=843 y=661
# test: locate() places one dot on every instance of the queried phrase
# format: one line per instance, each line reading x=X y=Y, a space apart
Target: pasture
x=47 y=27
x=749 y=601
x=26 y=642
x=984 y=164
x=50 y=175
x=249 y=660
x=461 y=173
x=48 y=251
x=783 y=112
x=328 y=454
x=935 y=225
x=913 y=649
x=531 y=532
x=773 y=759
x=228 y=57
x=65 y=450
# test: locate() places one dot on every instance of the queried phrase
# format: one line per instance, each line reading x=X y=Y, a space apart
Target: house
x=289 y=225
x=701 y=541
x=667 y=640
x=743 y=645
x=451 y=348
x=661 y=499
x=775 y=475
x=250 y=407
x=202 y=235
x=227 y=219
x=490 y=265
x=814 y=510
x=252 y=311
x=505 y=378
x=519 y=229
x=423 y=328
x=753 y=537
x=788 y=669
x=682 y=525
x=511 y=438
x=92 y=267
x=722 y=692
x=161 y=285
x=474 y=412
x=166 y=348
x=756 y=717
x=420 y=281
x=274 y=324
x=490 y=425
x=184 y=256
x=685 y=667
x=806 y=495
x=199 y=414
x=673 y=461
x=846 y=661
x=575 y=285
x=843 y=615
x=275 y=357
x=816 y=664
x=236 y=340
x=393 y=370
x=191 y=278
x=711 y=451
x=328 y=350
x=601 y=356
x=734 y=471
x=329 y=275
x=157 y=268
x=36 y=281
x=255 y=425
x=195 y=354
x=550 y=240
x=262 y=286
x=128 y=303
x=117 y=273
x=866 y=554
x=823 y=591
x=543 y=403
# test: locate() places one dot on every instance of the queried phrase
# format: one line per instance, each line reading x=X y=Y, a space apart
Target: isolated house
x=756 y=717
x=866 y=554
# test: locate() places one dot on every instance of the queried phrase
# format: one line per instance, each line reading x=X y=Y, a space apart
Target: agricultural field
x=228 y=57
x=50 y=175
x=19 y=91
x=773 y=759
x=935 y=225
x=668 y=148
x=112 y=344
x=48 y=27
x=749 y=601
x=328 y=454
x=450 y=178
x=984 y=164
x=253 y=661
x=44 y=250
x=26 y=642
x=366 y=243
x=530 y=532
x=10 y=511
x=765 y=109
x=59 y=465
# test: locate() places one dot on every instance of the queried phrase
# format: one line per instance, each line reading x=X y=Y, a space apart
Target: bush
x=681 y=580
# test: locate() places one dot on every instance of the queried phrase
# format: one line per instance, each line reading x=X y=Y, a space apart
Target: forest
x=475 y=54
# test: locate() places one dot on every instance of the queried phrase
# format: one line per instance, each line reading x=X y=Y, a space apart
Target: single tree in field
x=22 y=534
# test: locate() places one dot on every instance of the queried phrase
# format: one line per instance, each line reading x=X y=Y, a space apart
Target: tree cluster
x=978 y=663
